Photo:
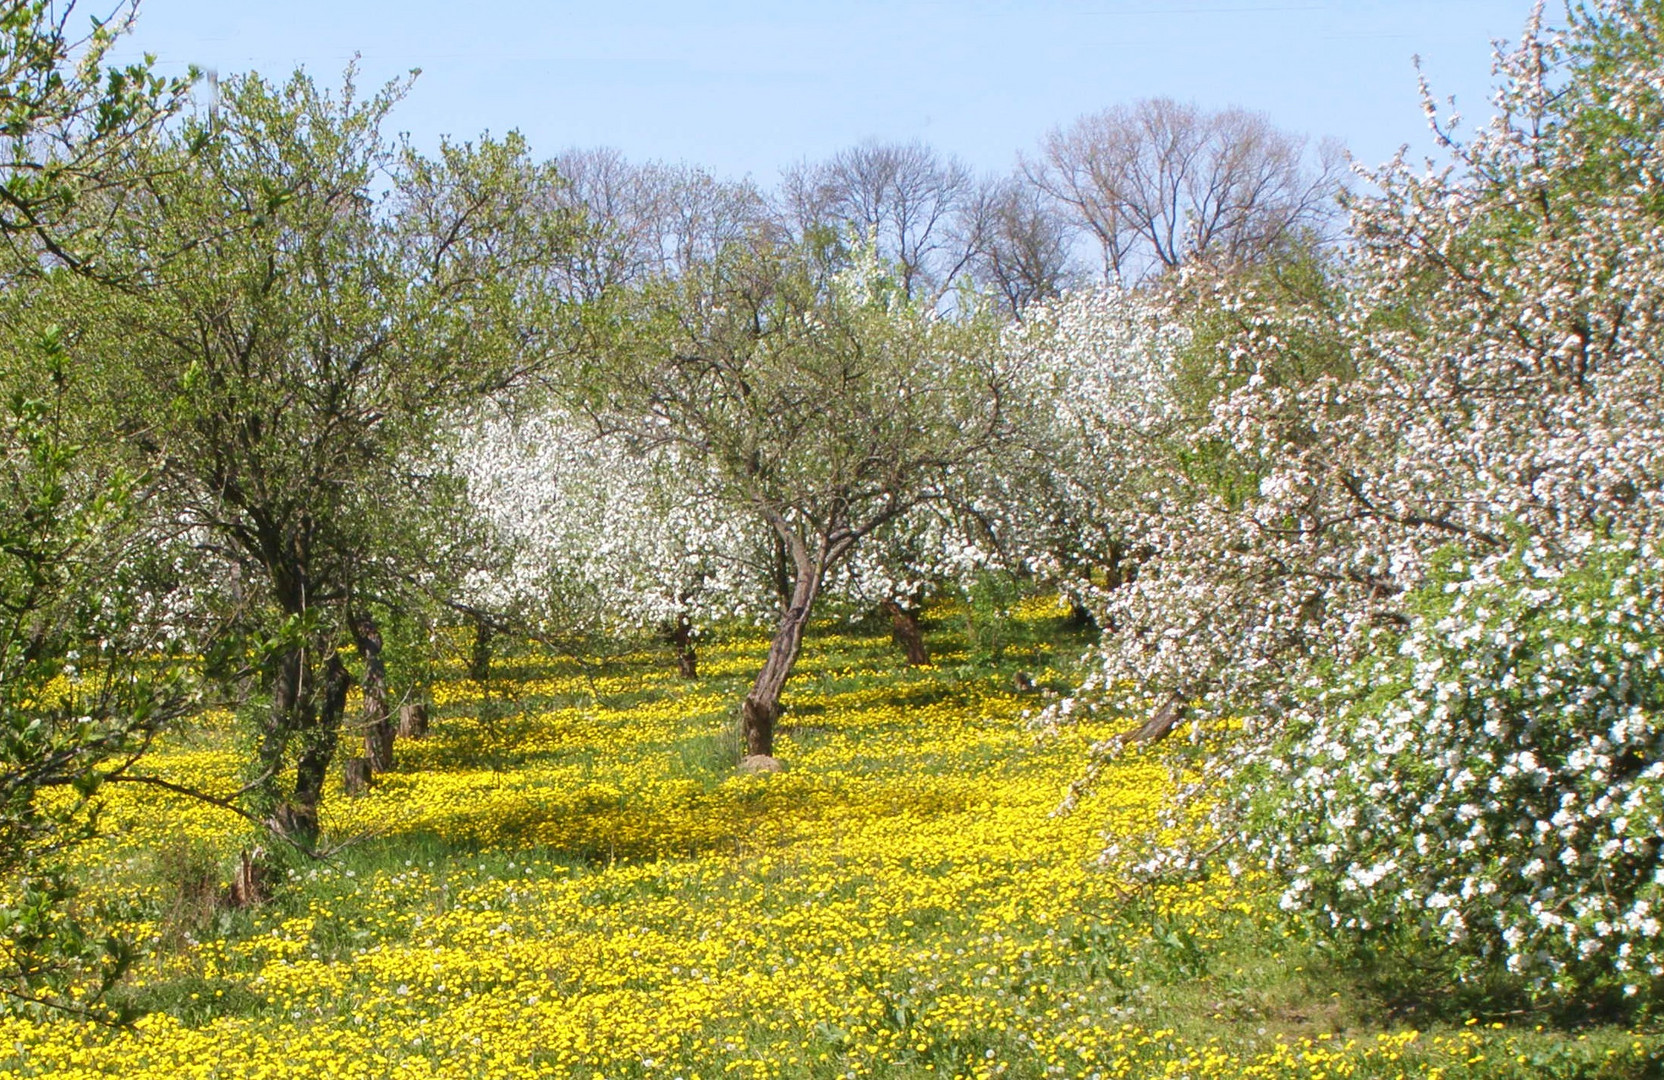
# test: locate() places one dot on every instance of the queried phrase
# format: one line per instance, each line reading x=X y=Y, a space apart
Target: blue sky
x=746 y=86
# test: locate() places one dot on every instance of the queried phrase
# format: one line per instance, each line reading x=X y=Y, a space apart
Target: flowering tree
x=1489 y=787
x=908 y=561
x=89 y=675
x=594 y=535
x=1500 y=377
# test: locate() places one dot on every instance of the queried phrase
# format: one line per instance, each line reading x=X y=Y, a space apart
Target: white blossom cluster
x=1493 y=782
x=1096 y=372
x=593 y=533
x=911 y=559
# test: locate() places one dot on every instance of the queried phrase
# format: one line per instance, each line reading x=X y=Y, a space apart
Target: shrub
x=1491 y=791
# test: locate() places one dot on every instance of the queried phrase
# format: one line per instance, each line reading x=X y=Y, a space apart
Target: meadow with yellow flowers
x=568 y=878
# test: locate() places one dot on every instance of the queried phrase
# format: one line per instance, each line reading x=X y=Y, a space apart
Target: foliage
x=69 y=130
x=88 y=674
x=87 y=679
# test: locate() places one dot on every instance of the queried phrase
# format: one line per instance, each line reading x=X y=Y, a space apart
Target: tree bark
x=291 y=709
x=782 y=573
x=680 y=637
x=318 y=740
x=904 y=629
x=413 y=720
x=1160 y=723
x=356 y=779
x=251 y=882
x=378 y=717
x=761 y=708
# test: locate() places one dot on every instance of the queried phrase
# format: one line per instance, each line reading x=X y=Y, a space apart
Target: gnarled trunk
x=905 y=630
x=378 y=717
x=781 y=572
x=299 y=819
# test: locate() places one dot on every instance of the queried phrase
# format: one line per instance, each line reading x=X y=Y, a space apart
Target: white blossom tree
x=1500 y=389
x=594 y=535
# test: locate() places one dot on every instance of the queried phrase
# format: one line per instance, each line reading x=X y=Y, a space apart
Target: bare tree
x=701 y=216
x=1162 y=183
x=1019 y=242
x=645 y=220
x=902 y=198
x=615 y=203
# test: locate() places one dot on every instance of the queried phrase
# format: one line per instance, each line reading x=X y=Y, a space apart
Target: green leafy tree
x=826 y=404
x=69 y=128
x=333 y=300
x=89 y=676
x=88 y=671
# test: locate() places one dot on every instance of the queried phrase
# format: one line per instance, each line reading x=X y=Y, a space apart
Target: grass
x=568 y=878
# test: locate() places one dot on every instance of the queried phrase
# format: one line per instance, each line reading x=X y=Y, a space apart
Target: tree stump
x=358 y=775
x=413 y=720
x=248 y=882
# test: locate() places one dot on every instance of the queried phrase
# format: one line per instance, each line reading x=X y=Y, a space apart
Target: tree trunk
x=318 y=739
x=904 y=628
x=356 y=779
x=781 y=573
x=378 y=718
x=1160 y=723
x=251 y=882
x=761 y=708
x=680 y=637
x=291 y=708
x=479 y=663
x=413 y=720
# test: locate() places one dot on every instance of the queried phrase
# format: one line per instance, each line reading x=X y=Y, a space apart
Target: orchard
x=1177 y=609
